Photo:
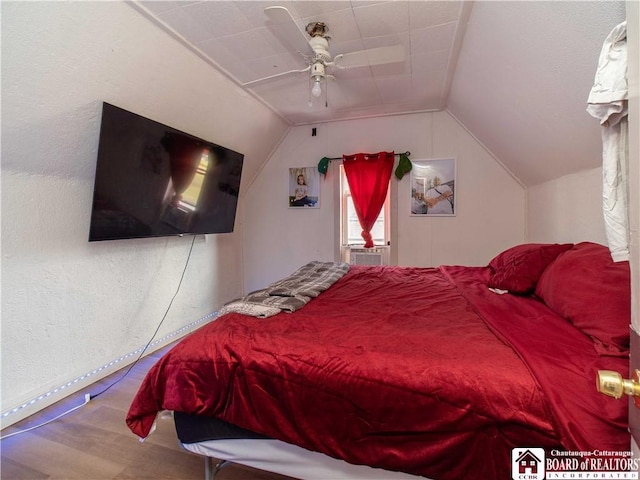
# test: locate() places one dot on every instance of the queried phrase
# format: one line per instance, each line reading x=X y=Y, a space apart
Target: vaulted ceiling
x=516 y=74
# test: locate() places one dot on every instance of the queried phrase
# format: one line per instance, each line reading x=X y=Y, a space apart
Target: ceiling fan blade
x=289 y=29
x=271 y=77
x=372 y=56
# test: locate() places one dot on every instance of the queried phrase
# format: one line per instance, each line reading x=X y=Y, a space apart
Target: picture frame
x=433 y=188
x=304 y=187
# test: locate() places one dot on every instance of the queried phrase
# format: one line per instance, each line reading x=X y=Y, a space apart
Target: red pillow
x=519 y=268
x=586 y=287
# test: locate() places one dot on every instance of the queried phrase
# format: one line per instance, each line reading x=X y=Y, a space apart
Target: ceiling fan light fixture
x=317 y=70
x=317 y=74
x=316 y=91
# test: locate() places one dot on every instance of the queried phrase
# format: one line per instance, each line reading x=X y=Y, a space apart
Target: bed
x=401 y=372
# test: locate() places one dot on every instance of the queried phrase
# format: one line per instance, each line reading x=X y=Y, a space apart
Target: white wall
x=69 y=306
x=490 y=203
x=567 y=209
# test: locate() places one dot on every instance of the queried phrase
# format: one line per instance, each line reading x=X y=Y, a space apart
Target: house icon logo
x=527 y=464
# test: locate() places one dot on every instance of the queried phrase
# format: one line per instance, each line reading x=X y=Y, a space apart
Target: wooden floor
x=94 y=443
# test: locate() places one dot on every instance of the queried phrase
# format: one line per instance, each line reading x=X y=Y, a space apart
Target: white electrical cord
x=87 y=397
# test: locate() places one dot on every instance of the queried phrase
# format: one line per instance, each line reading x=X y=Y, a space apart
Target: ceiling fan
x=314 y=48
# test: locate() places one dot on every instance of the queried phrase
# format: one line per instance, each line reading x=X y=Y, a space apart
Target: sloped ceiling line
x=515 y=73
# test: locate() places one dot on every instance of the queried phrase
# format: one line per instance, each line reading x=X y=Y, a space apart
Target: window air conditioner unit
x=367 y=256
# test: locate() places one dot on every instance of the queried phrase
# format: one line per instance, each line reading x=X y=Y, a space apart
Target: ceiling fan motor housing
x=320 y=46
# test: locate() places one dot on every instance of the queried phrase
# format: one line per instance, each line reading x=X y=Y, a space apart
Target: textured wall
x=567 y=209
x=69 y=306
x=490 y=202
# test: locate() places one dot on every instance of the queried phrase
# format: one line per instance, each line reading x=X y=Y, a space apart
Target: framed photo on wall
x=304 y=187
x=433 y=187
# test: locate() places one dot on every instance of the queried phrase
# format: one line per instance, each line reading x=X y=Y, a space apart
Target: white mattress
x=290 y=460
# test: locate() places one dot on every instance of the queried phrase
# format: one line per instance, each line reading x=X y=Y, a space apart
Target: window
x=350 y=226
x=191 y=195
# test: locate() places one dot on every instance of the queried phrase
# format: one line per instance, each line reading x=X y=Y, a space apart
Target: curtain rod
x=407 y=153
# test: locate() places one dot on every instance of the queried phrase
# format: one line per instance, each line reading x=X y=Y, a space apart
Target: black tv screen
x=153 y=180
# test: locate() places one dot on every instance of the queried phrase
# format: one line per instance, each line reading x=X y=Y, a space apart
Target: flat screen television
x=153 y=180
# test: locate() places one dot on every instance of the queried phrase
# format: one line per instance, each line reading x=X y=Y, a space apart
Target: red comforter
x=420 y=370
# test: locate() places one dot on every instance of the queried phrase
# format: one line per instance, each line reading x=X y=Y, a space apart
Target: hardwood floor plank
x=15 y=471
x=58 y=460
x=94 y=442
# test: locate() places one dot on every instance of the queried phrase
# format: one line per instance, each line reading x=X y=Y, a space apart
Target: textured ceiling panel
x=515 y=73
x=239 y=37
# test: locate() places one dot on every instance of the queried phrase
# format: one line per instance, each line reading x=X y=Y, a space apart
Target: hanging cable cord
x=89 y=397
x=146 y=347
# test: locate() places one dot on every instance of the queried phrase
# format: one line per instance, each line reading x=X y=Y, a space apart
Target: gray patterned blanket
x=290 y=293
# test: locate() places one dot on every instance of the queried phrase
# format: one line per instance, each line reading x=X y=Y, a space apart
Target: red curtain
x=368 y=177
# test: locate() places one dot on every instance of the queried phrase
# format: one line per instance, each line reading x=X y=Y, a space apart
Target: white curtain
x=608 y=103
